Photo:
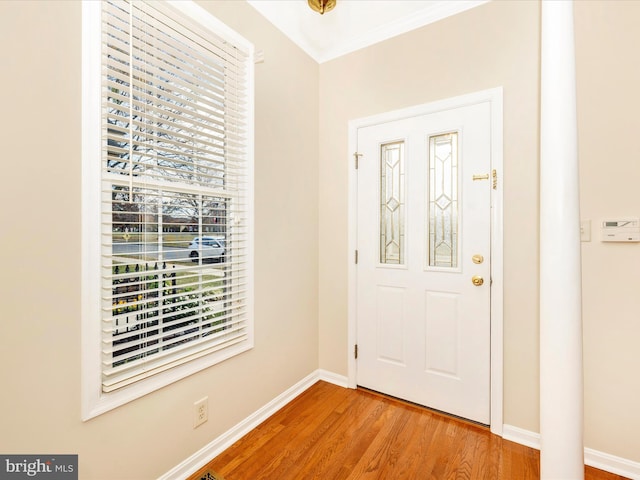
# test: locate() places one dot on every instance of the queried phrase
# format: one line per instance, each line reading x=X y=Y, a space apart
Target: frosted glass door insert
x=443 y=200
x=392 y=203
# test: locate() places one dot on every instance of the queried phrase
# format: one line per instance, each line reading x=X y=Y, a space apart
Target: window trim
x=94 y=401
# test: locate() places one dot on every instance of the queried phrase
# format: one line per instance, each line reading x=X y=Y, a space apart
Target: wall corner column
x=561 y=374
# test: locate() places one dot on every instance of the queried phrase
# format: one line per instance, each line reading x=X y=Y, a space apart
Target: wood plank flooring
x=333 y=433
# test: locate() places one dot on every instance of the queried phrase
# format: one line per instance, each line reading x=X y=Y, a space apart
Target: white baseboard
x=612 y=464
x=592 y=458
x=339 y=380
x=224 y=441
x=521 y=436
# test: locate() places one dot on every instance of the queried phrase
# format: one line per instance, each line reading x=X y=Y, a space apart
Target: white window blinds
x=175 y=175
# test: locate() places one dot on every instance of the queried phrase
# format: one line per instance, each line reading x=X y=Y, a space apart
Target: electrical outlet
x=200 y=412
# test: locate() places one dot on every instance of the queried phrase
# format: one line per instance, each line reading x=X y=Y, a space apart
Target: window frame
x=94 y=400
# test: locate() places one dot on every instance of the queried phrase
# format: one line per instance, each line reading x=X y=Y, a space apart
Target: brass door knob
x=477 y=280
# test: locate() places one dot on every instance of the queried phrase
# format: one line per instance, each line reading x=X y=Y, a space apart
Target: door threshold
x=424 y=407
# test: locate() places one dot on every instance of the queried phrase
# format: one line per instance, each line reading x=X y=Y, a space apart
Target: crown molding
x=342 y=43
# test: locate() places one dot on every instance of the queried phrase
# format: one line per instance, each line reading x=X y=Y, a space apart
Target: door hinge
x=356 y=257
x=355 y=351
x=357 y=155
x=494 y=174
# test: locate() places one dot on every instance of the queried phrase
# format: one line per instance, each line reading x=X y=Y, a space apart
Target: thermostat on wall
x=623 y=230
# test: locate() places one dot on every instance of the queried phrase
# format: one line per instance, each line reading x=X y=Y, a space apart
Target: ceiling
x=353 y=24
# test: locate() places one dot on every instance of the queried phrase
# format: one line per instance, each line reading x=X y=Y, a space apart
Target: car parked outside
x=210 y=248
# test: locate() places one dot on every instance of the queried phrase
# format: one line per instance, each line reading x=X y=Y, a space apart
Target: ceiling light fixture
x=321 y=6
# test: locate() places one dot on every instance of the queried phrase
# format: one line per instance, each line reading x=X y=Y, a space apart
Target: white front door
x=424 y=254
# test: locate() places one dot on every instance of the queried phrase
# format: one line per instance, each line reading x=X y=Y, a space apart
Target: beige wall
x=302 y=111
x=40 y=46
x=496 y=44
x=608 y=80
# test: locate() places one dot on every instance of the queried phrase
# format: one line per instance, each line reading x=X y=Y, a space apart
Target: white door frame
x=494 y=97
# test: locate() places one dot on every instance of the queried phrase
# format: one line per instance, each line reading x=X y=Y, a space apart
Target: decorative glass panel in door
x=392 y=203
x=443 y=200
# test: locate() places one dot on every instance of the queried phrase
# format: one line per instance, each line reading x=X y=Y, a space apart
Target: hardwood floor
x=333 y=433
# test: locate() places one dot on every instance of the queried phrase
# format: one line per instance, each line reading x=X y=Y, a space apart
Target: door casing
x=494 y=98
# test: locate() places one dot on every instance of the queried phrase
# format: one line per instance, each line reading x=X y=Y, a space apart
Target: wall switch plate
x=585 y=230
x=200 y=412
